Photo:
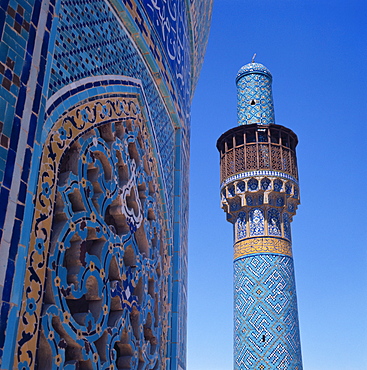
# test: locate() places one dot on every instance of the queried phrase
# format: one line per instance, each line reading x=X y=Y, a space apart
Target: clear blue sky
x=317 y=53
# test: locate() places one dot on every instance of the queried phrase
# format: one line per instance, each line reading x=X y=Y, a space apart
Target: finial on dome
x=253 y=58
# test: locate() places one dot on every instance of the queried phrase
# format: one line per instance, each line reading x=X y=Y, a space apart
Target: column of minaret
x=260 y=195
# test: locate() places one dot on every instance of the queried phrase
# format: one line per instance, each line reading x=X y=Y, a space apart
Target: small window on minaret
x=253 y=102
x=263 y=338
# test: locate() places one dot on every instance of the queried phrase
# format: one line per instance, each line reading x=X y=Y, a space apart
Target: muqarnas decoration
x=106 y=284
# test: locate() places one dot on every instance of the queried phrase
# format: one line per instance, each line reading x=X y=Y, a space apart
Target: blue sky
x=317 y=53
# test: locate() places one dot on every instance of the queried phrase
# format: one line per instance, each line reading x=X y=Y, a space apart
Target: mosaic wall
x=94 y=142
x=265 y=314
x=260 y=195
x=266 y=329
x=106 y=231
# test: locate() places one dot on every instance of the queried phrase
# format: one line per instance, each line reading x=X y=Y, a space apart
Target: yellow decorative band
x=262 y=245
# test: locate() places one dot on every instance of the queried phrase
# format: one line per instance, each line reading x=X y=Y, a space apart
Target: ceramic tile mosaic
x=107 y=230
x=266 y=328
x=254 y=95
x=266 y=334
x=111 y=81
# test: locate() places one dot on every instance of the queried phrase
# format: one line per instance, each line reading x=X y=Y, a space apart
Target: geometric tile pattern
x=107 y=277
x=250 y=219
x=266 y=329
x=201 y=14
x=287 y=226
x=240 y=226
x=50 y=46
x=246 y=174
x=256 y=221
x=25 y=27
x=170 y=22
x=104 y=272
x=254 y=95
x=274 y=222
x=84 y=29
x=265 y=314
x=107 y=266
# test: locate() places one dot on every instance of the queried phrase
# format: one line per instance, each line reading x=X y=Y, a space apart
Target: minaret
x=260 y=195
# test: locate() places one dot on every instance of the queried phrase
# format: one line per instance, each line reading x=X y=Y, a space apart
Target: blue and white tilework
x=25 y=27
x=249 y=200
x=241 y=226
x=265 y=184
x=253 y=184
x=75 y=58
x=287 y=226
x=280 y=202
x=103 y=272
x=266 y=328
x=278 y=185
x=288 y=188
x=256 y=217
x=241 y=186
x=56 y=54
x=266 y=331
x=231 y=191
x=254 y=95
x=246 y=174
x=274 y=222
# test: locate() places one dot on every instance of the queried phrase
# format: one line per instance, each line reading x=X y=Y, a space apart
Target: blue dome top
x=253 y=68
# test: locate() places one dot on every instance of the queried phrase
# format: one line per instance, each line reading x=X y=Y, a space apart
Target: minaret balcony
x=254 y=148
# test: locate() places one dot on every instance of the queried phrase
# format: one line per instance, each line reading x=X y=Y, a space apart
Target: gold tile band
x=262 y=245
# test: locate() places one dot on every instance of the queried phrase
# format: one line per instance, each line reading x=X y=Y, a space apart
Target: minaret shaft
x=254 y=95
x=260 y=195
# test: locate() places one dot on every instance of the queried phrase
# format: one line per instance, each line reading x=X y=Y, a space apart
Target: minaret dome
x=251 y=68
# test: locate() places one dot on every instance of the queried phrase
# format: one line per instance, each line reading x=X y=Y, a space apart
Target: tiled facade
x=260 y=195
x=94 y=149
